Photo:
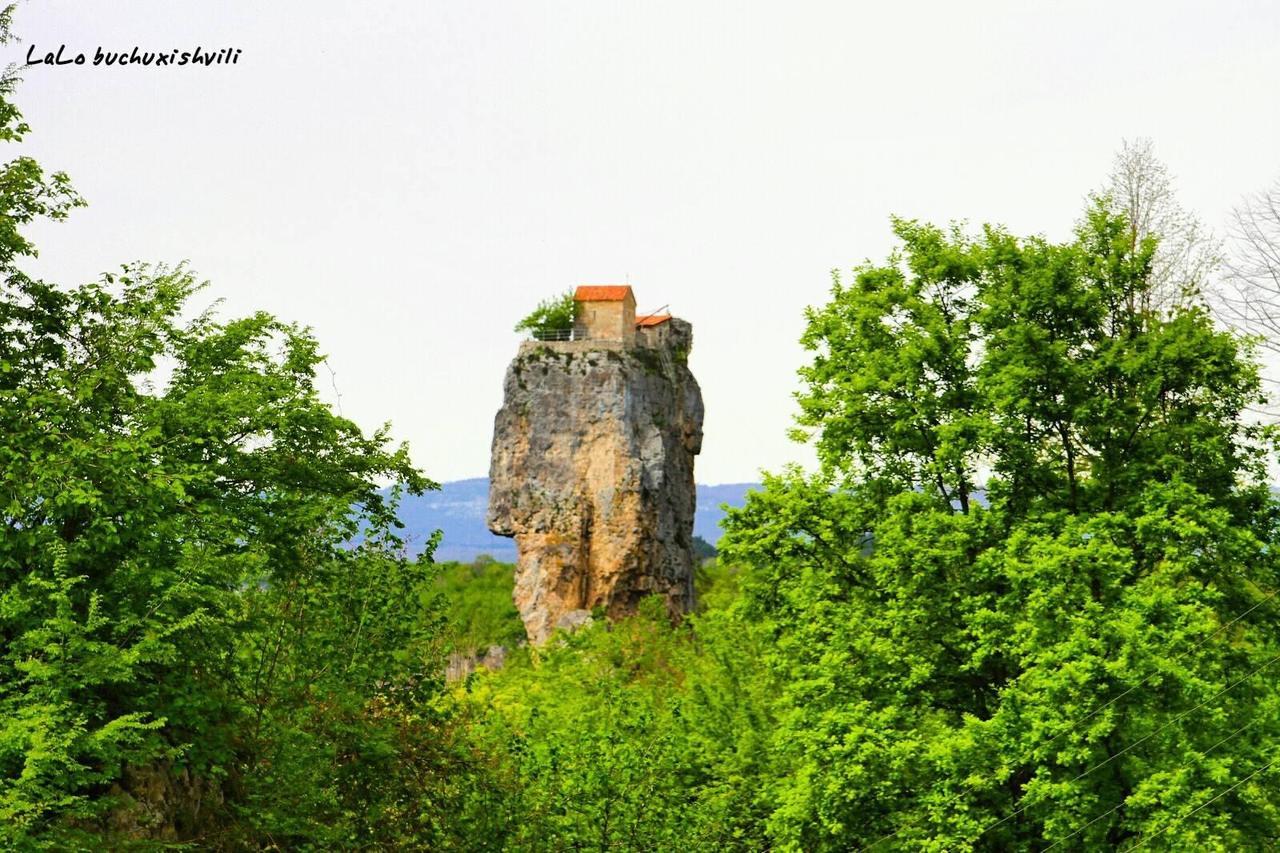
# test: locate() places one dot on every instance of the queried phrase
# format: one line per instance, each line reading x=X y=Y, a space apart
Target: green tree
x=181 y=607
x=552 y=319
x=1028 y=597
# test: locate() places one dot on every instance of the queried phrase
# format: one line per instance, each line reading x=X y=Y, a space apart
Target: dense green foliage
x=1028 y=599
x=1026 y=603
x=552 y=319
x=480 y=609
x=188 y=644
x=632 y=736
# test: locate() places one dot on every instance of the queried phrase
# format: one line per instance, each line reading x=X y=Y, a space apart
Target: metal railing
x=579 y=333
x=559 y=335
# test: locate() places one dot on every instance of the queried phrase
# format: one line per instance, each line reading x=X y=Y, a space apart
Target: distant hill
x=706 y=519
x=458 y=509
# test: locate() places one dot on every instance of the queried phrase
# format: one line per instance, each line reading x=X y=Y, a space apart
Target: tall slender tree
x=1187 y=254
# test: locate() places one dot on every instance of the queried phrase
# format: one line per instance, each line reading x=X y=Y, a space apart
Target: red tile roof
x=602 y=293
x=652 y=320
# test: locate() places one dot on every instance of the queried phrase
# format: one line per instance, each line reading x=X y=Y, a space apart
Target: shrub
x=551 y=319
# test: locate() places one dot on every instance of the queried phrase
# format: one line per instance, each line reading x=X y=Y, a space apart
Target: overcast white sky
x=409 y=178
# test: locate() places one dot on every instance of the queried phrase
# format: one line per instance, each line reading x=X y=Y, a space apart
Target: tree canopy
x=191 y=646
x=1028 y=597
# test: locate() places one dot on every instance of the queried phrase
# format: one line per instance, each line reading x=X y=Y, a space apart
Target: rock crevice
x=592 y=474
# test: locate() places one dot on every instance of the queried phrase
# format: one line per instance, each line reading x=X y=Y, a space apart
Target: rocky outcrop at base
x=462 y=664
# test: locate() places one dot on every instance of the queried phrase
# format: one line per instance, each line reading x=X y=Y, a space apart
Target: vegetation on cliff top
x=551 y=319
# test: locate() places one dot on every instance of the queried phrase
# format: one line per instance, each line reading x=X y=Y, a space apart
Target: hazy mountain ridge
x=458 y=509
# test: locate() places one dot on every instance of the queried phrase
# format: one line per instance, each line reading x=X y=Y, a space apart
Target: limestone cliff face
x=592 y=473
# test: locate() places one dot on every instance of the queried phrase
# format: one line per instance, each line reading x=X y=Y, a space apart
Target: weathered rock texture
x=592 y=473
x=159 y=802
x=462 y=664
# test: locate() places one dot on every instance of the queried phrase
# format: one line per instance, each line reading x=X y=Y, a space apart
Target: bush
x=551 y=319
